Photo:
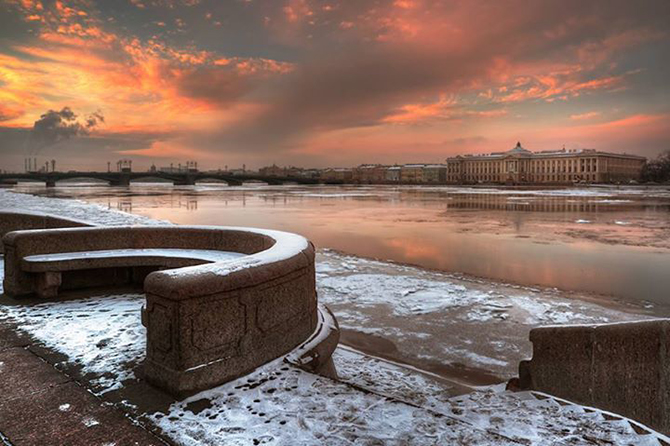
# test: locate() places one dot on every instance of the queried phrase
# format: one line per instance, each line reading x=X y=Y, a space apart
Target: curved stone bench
x=208 y=321
x=49 y=267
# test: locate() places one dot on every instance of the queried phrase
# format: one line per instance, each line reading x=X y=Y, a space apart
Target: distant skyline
x=328 y=83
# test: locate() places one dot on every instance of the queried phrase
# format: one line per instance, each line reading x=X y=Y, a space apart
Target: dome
x=518 y=149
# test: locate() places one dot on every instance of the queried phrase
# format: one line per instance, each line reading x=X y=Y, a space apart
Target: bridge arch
x=152 y=180
x=78 y=180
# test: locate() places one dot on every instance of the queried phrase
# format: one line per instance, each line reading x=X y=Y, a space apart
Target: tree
x=657 y=170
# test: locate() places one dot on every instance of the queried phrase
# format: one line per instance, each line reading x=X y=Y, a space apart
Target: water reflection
x=609 y=242
x=125 y=203
x=547 y=204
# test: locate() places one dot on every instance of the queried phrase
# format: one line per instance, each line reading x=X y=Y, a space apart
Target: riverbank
x=465 y=329
x=601 y=240
x=393 y=311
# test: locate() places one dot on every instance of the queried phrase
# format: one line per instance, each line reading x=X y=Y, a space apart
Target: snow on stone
x=326 y=324
x=286 y=246
x=202 y=254
x=281 y=404
x=76 y=209
x=90 y=422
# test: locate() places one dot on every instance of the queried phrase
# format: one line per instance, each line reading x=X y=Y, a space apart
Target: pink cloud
x=585 y=116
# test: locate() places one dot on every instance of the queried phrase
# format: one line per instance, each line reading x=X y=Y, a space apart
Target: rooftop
x=519 y=150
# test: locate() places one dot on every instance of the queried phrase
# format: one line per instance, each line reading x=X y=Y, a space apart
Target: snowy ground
x=375 y=402
x=447 y=325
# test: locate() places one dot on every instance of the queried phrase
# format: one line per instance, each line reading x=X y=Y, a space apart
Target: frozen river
x=610 y=241
x=461 y=275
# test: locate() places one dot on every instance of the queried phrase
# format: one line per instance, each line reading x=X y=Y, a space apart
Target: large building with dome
x=520 y=165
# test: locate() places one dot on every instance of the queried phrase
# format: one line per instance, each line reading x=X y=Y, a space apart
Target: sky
x=328 y=83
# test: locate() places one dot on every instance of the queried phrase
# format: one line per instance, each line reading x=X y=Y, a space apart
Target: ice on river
x=436 y=319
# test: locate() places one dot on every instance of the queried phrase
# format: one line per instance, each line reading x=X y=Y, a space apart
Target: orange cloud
x=552 y=86
x=8 y=113
x=411 y=113
x=164 y=149
x=584 y=116
x=76 y=62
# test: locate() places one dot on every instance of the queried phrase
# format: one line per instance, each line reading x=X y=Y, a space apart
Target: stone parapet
x=621 y=367
x=14 y=221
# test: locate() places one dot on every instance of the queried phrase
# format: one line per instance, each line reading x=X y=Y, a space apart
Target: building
x=369 y=174
x=412 y=173
x=337 y=174
x=435 y=173
x=272 y=171
x=520 y=165
x=393 y=174
x=311 y=173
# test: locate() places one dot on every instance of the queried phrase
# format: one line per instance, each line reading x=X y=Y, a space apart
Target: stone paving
x=40 y=405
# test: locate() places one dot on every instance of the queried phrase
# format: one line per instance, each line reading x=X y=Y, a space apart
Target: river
x=609 y=241
x=446 y=279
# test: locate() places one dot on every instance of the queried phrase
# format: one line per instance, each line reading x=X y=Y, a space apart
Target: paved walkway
x=40 y=405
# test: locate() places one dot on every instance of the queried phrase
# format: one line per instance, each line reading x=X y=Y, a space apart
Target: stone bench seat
x=220 y=301
x=167 y=257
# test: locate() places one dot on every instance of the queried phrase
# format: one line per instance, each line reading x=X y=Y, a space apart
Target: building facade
x=435 y=173
x=337 y=174
x=411 y=173
x=393 y=174
x=272 y=171
x=520 y=165
x=369 y=174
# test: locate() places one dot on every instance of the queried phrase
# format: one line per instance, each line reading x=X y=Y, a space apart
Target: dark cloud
x=56 y=126
x=356 y=86
x=217 y=85
x=347 y=90
x=92 y=152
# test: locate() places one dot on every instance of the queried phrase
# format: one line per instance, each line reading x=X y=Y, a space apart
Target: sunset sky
x=328 y=83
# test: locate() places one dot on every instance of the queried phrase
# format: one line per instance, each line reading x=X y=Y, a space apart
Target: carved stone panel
x=218 y=325
x=159 y=327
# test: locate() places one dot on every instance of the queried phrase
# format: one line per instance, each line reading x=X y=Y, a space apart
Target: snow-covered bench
x=220 y=300
x=50 y=267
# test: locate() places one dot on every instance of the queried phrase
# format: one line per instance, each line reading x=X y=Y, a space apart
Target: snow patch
x=103 y=335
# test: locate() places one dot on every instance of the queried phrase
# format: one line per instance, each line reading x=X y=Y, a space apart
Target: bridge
x=125 y=178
